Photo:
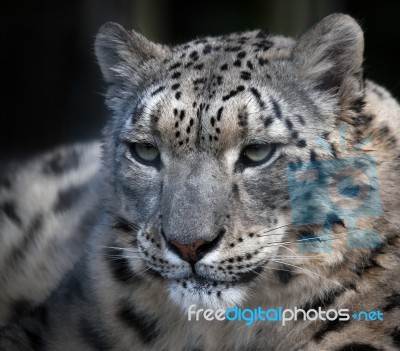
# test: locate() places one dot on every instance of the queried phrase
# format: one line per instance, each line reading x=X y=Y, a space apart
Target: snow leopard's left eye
x=147 y=154
x=256 y=154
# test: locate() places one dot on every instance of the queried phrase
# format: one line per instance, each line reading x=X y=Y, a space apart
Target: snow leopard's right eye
x=146 y=154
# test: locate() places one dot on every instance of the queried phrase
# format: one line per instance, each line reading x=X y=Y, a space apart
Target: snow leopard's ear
x=121 y=54
x=330 y=55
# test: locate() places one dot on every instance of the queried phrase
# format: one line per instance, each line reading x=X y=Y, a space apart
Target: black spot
x=237 y=63
x=176 y=65
x=159 y=90
x=182 y=115
x=358 y=105
x=233 y=48
x=329 y=326
x=257 y=95
x=19 y=252
x=328 y=298
x=178 y=95
x=355 y=346
x=144 y=325
x=241 y=55
x=301 y=119
x=218 y=130
x=219 y=113
x=301 y=143
x=8 y=208
x=199 y=66
x=268 y=121
x=175 y=112
x=242 y=119
x=396 y=336
x=194 y=55
x=119 y=266
x=233 y=93
x=67 y=198
x=207 y=49
x=175 y=86
x=94 y=336
x=249 y=65
x=285 y=275
x=188 y=130
x=392 y=301
x=313 y=155
x=176 y=75
x=245 y=75
x=61 y=162
x=224 y=67
x=199 y=81
x=289 y=124
x=276 y=108
x=262 y=61
x=219 y=80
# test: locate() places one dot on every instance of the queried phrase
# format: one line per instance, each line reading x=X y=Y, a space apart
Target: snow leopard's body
x=96 y=253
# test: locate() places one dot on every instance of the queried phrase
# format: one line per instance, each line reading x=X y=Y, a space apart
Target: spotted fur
x=92 y=253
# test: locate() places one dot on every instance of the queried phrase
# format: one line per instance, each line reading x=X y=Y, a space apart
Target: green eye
x=256 y=154
x=145 y=153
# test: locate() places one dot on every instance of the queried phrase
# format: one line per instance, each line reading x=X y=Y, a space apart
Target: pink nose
x=189 y=252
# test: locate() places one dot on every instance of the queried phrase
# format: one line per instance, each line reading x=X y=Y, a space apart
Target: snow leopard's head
x=200 y=143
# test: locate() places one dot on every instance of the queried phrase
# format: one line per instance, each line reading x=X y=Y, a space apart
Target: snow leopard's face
x=200 y=145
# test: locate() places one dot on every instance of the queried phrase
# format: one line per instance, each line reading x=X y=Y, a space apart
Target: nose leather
x=188 y=251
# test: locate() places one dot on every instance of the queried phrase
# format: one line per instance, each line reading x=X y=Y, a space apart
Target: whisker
x=301 y=268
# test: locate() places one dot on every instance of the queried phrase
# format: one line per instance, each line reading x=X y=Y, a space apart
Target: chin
x=185 y=293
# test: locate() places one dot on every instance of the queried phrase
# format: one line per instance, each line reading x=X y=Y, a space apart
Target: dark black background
x=51 y=85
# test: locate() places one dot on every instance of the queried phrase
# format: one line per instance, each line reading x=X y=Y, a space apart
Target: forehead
x=211 y=89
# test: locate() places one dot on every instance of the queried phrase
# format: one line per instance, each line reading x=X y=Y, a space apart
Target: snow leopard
x=248 y=171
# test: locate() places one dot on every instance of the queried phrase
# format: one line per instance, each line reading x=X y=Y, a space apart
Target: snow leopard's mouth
x=208 y=293
x=204 y=283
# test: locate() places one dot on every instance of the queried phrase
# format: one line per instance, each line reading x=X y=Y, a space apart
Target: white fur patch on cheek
x=172 y=258
x=272 y=238
x=211 y=257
